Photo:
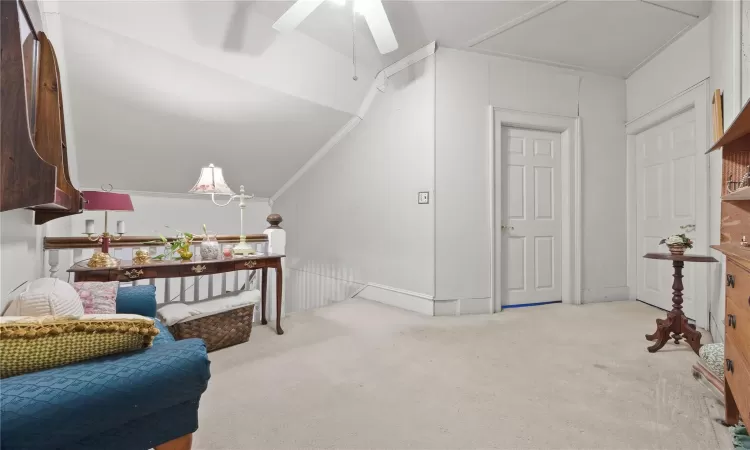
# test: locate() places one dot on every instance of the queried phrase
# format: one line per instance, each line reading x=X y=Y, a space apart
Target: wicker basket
x=223 y=329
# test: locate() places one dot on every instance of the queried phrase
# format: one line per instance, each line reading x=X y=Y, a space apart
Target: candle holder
x=105 y=201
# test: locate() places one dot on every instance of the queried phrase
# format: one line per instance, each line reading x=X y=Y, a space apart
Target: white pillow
x=44 y=297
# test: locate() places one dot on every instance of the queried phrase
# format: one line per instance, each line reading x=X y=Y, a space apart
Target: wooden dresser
x=735 y=228
x=737 y=332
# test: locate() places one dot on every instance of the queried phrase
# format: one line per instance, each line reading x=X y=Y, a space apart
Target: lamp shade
x=211 y=181
x=106 y=201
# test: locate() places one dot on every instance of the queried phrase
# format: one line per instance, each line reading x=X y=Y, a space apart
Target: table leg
x=661 y=335
x=263 y=290
x=279 y=278
x=690 y=334
x=676 y=324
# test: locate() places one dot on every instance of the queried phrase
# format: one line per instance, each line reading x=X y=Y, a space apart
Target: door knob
x=730 y=280
x=732 y=321
x=505 y=227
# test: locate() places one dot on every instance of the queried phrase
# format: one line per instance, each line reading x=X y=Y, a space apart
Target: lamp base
x=243 y=248
x=100 y=259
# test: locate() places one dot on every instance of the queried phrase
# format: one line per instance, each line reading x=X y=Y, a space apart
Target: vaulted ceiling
x=163 y=88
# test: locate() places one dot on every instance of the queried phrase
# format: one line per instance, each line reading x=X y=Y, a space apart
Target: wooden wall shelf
x=33 y=154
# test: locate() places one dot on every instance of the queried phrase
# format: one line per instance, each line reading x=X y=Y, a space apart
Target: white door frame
x=696 y=97
x=570 y=163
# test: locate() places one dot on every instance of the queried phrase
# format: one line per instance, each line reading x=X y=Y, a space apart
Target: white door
x=530 y=225
x=670 y=183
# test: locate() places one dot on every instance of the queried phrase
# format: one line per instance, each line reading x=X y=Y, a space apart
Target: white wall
x=354 y=218
x=153 y=212
x=467 y=84
x=20 y=249
x=683 y=64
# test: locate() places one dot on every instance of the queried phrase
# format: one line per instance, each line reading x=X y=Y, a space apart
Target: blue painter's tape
x=524 y=305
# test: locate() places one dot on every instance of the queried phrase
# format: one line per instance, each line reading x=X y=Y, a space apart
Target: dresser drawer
x=737 y=323
x=192 y=269
x=737 y=376
x=737 y=281
x=139 y=273
x=252 y=264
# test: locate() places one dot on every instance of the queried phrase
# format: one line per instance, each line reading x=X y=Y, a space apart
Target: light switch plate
x=423 y=198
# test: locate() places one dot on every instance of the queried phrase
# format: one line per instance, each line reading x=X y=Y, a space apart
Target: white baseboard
x=605 y=294
x=400 y=298
x=464 y=306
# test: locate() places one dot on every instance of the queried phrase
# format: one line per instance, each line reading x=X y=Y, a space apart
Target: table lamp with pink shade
x=105 y=201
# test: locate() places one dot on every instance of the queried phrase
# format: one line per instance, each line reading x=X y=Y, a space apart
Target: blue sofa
x=129 y=401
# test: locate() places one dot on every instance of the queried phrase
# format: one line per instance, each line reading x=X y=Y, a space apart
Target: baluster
x=223 y=283
x=152 y=281
x=182 y=289
x=167 y=291
x=196 y=288
x=236 y=282
x=53 y=257
x=77 y=255
x=276 y=245
x=247 y=280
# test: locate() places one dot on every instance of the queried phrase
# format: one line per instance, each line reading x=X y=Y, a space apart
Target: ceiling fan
x=372 y=10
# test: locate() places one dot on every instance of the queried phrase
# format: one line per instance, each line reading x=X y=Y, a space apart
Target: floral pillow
x=98 y=297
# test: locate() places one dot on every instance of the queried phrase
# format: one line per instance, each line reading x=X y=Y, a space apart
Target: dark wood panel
x=62 y=243
x=174 y=269
x=49 y=135
x=27 y=180
x=684 y=258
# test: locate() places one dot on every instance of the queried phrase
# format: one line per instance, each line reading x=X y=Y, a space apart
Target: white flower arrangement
x=678 y=239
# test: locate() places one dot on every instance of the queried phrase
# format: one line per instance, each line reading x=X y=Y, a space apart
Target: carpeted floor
x=360 y=375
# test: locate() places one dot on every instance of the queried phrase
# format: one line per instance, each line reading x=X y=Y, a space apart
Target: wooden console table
x=127 y=271
x=676 y=324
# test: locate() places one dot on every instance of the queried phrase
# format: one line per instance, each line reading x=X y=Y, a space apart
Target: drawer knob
x=730 y=280
x=198 y=268
x=730 y=366
x=250 y=264
x=732 y=320
x=134 y=273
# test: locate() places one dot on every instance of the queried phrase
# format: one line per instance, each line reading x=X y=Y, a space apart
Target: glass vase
x=209 y=247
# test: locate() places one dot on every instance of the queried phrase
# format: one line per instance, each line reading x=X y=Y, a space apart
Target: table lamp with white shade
x=211 y=181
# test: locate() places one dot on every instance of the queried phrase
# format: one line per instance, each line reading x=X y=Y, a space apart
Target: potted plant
x=677 y=243
x=181 y=246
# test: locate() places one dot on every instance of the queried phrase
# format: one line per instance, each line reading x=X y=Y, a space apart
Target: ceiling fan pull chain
x=354 y=42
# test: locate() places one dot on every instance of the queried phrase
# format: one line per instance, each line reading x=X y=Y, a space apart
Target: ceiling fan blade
x=379 y=25
x=296 y=14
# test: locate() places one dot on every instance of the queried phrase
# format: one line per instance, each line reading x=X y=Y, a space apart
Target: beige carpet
x=360 y=375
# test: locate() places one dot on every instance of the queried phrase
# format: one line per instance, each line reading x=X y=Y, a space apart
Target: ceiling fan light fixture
x=372 y=10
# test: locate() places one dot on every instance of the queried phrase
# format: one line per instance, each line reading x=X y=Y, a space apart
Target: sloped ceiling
x=148 y=120
x=160 y=88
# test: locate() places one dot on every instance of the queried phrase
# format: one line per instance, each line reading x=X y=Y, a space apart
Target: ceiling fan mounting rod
x=354 y=42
